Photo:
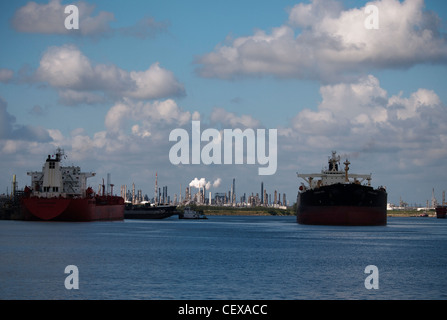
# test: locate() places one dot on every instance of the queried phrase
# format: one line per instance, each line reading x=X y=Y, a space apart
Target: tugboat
x=335 y=197
x=61 y=194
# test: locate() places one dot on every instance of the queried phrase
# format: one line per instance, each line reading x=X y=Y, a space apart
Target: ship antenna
x=333 y=161
x=60 y=151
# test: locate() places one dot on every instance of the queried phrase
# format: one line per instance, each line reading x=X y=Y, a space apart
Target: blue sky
x=308 y=69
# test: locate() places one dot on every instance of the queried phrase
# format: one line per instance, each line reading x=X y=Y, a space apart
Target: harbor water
x=224 y=257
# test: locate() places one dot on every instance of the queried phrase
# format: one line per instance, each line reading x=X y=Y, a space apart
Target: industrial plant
x=200 y=196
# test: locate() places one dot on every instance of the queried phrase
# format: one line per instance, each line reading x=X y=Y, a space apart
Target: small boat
x=189 y=213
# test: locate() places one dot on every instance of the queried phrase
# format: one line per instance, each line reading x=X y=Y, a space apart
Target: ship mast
x=59 y=153
x=333 y=162
x=346 y=163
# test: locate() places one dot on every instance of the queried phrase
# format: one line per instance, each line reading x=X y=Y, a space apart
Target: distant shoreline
x=241 y=213
x=244 y=211
x=410 y=213
x=269 y=211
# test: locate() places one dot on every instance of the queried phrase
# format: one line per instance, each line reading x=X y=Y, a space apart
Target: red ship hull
x=77 y=209
x=343 y=216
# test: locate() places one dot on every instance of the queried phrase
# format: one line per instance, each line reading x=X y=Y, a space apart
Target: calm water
x=223 y=258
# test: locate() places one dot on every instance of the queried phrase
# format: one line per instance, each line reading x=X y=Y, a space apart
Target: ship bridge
x=333 y=175
x=55 y=180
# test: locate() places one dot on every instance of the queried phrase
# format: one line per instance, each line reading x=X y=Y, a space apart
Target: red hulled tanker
x=334 y=197
x=61 y=194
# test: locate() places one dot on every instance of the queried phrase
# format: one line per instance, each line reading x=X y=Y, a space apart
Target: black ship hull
x=148 y=212
x=343 y=204
x=441 y=212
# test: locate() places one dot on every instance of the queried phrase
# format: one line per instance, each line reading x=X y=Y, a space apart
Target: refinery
x=199 y=195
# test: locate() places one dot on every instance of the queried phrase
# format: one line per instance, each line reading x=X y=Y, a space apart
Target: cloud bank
x=79 y=80
x=9 y=130
x=360 y=116
x=321 y=41
x=49 y=19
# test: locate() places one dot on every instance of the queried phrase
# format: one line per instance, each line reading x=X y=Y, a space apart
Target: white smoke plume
x=217 y=182
x=196 y=183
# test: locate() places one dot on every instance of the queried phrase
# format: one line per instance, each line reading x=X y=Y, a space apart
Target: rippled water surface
x=224 y=257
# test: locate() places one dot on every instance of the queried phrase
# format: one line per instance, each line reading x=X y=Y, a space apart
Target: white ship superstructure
x=333 y=175
x=57 y=181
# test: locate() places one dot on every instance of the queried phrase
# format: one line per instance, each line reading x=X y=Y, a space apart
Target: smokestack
x=262 y=193
x=108 y=183
x=233 y=196
x=14 y=185
x=156 y=189
x=133 y=193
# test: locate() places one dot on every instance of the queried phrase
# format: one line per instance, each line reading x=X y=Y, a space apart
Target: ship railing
x=41 y=194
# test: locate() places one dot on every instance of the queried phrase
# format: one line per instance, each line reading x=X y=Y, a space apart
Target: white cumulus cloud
x=362 y=117
x=49 y=19
x=148 y=114
x=78 y=80
x=322 y=41
x=230 y=119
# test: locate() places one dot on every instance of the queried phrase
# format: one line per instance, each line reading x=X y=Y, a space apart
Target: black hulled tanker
x=335 y=197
